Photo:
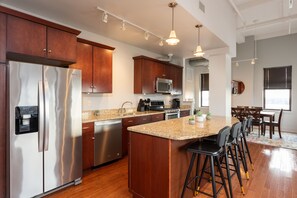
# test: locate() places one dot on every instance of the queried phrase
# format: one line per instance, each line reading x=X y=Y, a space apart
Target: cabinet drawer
x=130 y=121
x=158 y=117
x=184 y=113
x=144 y=119
x=88 y=127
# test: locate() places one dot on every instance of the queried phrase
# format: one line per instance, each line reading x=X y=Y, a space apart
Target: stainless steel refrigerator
x=45 y=128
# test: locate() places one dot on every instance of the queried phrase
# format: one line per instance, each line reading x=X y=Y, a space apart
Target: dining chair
x=257 y=119
x=238 y=112
x=274 y=124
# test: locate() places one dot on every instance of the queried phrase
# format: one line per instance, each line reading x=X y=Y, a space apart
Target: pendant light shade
x=172 y=40
x=198 y=52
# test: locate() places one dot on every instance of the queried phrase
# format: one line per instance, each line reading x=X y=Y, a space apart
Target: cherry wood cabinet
x=184 y=113
x=2 y=38
x=158 y=117
x=176 y=74
x=26 y=38
x=88 y=145
x=3 y=132
x=146 y=70
x=84 y=62
x=102 y=70
x=132 y=121
x=95 y=61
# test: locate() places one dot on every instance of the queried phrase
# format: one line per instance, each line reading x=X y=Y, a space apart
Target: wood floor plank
x=275 y=175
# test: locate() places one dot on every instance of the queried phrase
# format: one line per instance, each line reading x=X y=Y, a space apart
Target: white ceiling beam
x=268 y=23
x=237 y=11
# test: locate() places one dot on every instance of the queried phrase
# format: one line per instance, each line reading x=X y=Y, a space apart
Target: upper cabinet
x=147 y=70
x=95 y=61
x=31 y=39
x=2 y=37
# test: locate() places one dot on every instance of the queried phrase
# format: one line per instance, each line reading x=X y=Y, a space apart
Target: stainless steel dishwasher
x=108 y=141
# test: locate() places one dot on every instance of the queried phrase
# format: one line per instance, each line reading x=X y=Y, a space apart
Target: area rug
x=288 y=140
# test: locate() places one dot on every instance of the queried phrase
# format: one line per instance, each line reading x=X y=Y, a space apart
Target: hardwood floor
x=275 y=175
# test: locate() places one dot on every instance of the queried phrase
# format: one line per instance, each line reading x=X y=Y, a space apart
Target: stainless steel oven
x=171 y=114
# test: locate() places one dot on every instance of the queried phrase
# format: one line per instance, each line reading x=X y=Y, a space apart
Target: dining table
x=271 y=116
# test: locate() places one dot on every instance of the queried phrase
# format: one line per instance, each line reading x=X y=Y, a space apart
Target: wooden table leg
x=270 y=127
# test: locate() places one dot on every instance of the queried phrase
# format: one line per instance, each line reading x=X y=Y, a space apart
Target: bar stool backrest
x=249 y=121
x=244 y=125
x=223 y=136
x=235 y=130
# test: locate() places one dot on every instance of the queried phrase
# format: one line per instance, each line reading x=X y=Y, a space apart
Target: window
x=204 y=90
x=277 y=87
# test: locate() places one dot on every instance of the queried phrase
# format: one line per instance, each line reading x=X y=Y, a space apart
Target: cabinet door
x=176 y=75
x=102 y=70
x=158 y=117
x=61 y=45
x=127 y=122
x=184 y=113
x=84 y=62
x=2 y=38
x=88 y=145
x=150 y=70
x=25 y=37
x=144 y=119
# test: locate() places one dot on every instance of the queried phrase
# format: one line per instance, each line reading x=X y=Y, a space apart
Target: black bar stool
x=212 y=151
x=246 y=123
x=234 y=151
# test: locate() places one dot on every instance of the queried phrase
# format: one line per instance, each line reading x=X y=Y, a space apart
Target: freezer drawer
x=108 y=141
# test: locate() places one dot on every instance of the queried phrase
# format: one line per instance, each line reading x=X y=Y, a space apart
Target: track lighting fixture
x=172 y=40
x=237 y=64
x=123 y=27
x=253 y=61
x=146 y=35
x=161 y=42
x=104 y=17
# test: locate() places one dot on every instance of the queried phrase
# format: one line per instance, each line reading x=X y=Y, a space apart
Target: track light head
x=104 y=17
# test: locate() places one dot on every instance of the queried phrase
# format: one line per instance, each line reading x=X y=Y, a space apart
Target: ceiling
x=265 y=18
x=262 y=18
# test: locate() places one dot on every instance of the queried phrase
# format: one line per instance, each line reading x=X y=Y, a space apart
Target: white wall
x=273 y=52
x=122 y=76
x=219 y=18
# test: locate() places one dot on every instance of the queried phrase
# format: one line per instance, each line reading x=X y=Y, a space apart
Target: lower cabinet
x=133 y=121
x=184 y=113
x=88 y=145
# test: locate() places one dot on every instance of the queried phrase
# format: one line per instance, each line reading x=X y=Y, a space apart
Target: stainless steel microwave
x=163 y=85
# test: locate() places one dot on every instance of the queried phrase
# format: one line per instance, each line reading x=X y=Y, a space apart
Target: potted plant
x=199 y=117
x=192 y=120
x=208 y=116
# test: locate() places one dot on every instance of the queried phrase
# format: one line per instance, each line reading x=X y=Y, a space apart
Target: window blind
x=278 y=77
x=204 y=82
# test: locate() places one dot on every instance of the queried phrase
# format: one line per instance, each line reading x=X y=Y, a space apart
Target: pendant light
x=172 y=40
x=198 y=52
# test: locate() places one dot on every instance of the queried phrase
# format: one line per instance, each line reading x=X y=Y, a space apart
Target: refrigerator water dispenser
x=26 y=119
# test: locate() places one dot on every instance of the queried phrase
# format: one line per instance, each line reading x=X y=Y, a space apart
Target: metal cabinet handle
x=85 y=128
x=93 y=138
x=130 y=121
x=49 y=51
x=44 y=49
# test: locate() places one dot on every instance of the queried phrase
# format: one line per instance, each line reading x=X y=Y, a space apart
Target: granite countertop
x=89 y=116
x=180 y=129
x=102 y=117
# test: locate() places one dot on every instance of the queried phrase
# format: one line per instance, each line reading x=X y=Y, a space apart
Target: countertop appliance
x=175 y=103
x=45 y=131
x=108 y=141
x=170 y=113
x=163 y=85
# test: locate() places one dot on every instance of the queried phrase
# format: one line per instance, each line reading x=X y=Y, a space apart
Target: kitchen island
x=158 y=160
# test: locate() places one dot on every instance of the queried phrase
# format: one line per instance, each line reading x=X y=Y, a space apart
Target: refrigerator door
x=26 y=171
x=63 y=139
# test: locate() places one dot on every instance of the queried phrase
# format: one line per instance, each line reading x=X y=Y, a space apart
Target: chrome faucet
x=122 y=110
